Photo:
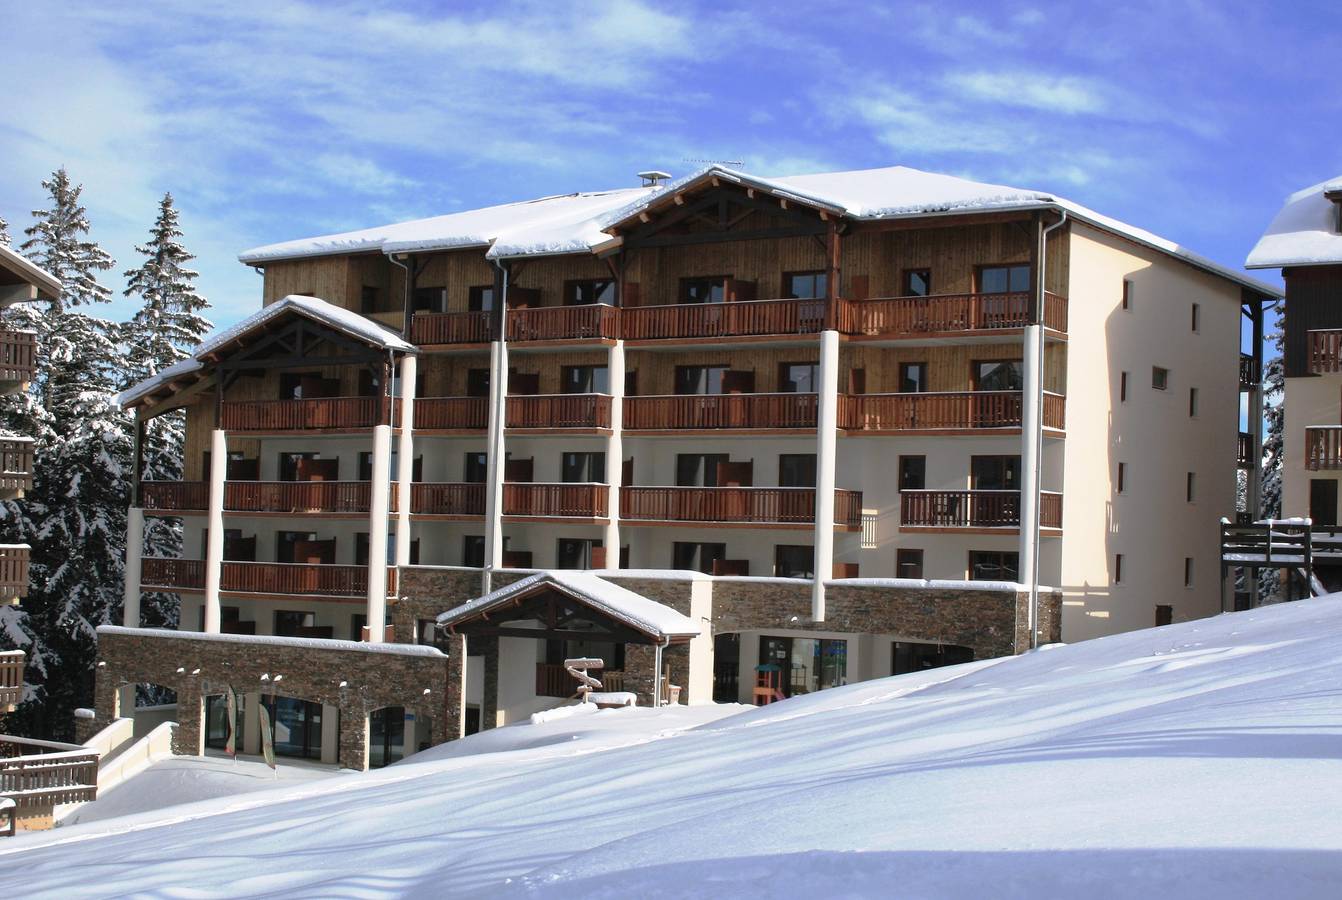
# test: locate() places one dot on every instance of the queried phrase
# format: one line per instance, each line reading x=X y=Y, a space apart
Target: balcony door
x=296 y=726
x=994 y=473
x=1323 y=501
x=584 y=380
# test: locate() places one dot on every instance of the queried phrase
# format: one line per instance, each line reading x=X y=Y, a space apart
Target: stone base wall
x=356 y=678
x=427 y=591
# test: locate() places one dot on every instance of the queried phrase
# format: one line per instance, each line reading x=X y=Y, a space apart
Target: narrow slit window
x=1188 y=571
x=1196 y=318
x=1192 y=403
x=1191 y=487
x=1122 y=476
x=1118 y=568
x=1127 y=294
x=1122 y=387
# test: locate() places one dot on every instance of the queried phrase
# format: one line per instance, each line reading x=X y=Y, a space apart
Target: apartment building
x=885 y=374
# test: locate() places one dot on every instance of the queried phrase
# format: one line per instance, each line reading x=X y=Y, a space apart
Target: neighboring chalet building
x=1304 y=240
x=712 y=390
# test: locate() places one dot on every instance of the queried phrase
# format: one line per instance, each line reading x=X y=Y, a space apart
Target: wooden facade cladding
x=18 y=355
x=735 y=505
x=973 y=509
x=263 y=578
x=1313 y=304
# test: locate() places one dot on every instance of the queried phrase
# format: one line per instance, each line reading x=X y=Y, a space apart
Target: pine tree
x=75 y=516
x=1274 y=429
x=4 y=231
x=164 y=330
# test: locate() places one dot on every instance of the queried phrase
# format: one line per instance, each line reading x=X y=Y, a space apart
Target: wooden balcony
x=13 y=572
x=558 y=411
x=16 y=466
x=943 y=411
x=452 y=328
x=327 y=413
x=18 y=356
x=448 y=498
x=452 y=413
x=1249 y=375
x=1323 y=447
x=973 y=509
x=596 y=321
x=11 y=679
x=299 y=579
x=1244 y=458
x=1325 y=352
x=175 y=496
x=719 y=411
x=741 y=318
x=298 y=496
x=38 y=775
x=569 y=501
x=735 y=505
x=894 y=317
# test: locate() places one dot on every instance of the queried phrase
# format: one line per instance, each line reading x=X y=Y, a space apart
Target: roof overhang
x=22 y=280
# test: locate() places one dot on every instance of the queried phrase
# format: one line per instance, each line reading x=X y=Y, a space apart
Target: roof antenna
x=654 y=177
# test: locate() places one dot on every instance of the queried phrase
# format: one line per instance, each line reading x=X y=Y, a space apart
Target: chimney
x=653 y=177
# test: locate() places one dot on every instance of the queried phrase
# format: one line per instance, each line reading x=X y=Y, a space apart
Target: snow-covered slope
x=1202 y=759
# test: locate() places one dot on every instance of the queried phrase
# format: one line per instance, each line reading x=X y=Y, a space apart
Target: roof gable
x=1304 y=231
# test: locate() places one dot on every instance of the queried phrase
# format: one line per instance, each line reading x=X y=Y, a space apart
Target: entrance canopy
x=563 y=601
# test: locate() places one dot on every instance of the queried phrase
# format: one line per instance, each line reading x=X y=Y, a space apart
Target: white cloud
x=1066 y=94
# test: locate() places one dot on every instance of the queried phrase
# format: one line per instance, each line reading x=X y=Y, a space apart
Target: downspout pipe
x=1039 y=437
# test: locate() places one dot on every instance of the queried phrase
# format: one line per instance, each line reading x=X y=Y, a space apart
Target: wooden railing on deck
x=553 y=680
x=557 y=323
x=781 y=506
x=695 y=411
x=1244 y=455
x=559 y=411
x=298 y=496
x=1325 y=352
x=291 y=415
x=452 y=413
x=739 y=318
x=1249 y=376
x=41 y=774
x=11 y=678
x=562 y=500
x=13 y=571
x=1323 y=447
x=160 y=572
x=448 y=498
x=173 y=496
x=452 y=328
x=18 y=355
x=16 y=464
x=973 y=509
x=942 y=313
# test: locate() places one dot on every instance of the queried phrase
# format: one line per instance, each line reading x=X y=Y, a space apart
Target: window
x=1127 y=294
x=917 y=282
x=290 y=462
x=287 y=552
x=473 y=551
x=912 y=377
x=584 y=380
x=993 y=565
x=1189 y=487
x=908 y=563
x=366 y=467
x=796 y=470
x=296 y=725
x=793 y=561
x=361 y=549
x=1122 y=387
x=1164 y=614
x=1192 y=403
x=589 y=291
x=357 y=623
x=696 y=557
x=908 y=656
x=476 y=469
x=216 y=722
x=698 y=469
x=994 y=473
x=799 y=378
x=370 y=385
x=699 y=379
x=1122 y=477
x=912 y=473
x=583 y=467
x=1118 y=568
x=804 y=285
x=1160 y=378
x=1196 y=321
x=1188 y=571
x=368 y=298
x=430 y=299
x=307 y=385
x=574 y=553
x=386 y=736
x=999 y=375
x=1323 y=501
x=477 y=382
x=480 y=298
x=804 y=665
x=1004 y=279
x=712 y=289
x=289 y=623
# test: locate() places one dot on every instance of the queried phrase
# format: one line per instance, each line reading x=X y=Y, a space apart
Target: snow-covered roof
x=335 y=317
x=275 y=640
x=1303 y=233
x=18 y=269
x=638 y=612
x=578 y=223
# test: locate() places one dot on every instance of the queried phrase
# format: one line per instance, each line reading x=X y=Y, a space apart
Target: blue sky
x=281 y=119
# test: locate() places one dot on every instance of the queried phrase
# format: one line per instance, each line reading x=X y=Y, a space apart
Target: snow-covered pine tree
x=167 y=326
x=75 y=515
x=1274 y=428
x=4 y=231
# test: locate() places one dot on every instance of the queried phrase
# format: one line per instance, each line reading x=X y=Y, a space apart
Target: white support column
x=214 y=548
x=405 y=458
x=827 y=429
x=378 y=507
x=614 y=453
x=498 y=418
x=130 y=601
x=1030 y=460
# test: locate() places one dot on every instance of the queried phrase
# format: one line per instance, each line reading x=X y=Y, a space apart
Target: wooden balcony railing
x=775 y=506
x=18 y=355
x=452 y=328
x=172 y=574
x=298 y=496
x=173 y=496
x=740 y=318
x=452 y=413
x=944 y=313
x=13 y=571
x=1249 y=375
x=42 y=774
x=579 y=501
x=559 y=411
x=1244 y=457
x=11 y=678
x=262 y=577
x=708 y=411
x=974 y=509
x=297 y=415
x=448 y=498
x=16 y=464
x=1323 y=447
x=559 y=323
x=1325 y=352
x=944 y=410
